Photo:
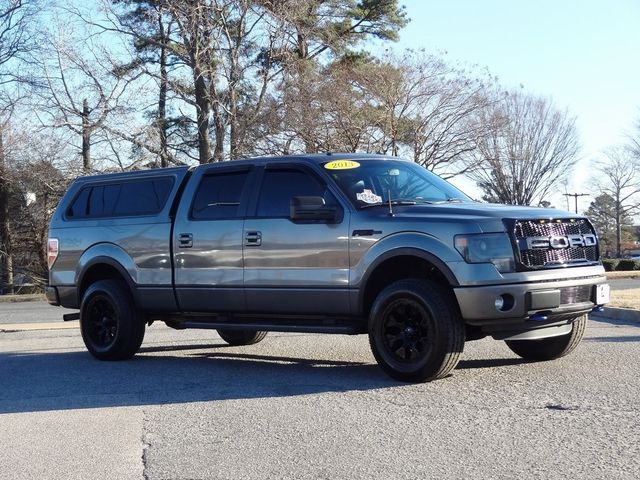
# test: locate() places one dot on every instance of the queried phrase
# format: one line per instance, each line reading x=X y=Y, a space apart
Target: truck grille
x=549 y=256
x=577 y=294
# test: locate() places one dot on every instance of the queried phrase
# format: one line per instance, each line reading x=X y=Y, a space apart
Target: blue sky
x=584 y=54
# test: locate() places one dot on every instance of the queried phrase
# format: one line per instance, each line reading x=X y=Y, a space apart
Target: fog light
x=504 y=302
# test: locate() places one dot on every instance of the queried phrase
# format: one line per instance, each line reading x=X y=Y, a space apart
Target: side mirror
x=312 y=209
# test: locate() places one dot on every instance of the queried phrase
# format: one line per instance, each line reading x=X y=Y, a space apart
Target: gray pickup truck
x=331 y=243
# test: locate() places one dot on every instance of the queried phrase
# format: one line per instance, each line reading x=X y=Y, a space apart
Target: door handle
x=253 y=239
x=185 y=240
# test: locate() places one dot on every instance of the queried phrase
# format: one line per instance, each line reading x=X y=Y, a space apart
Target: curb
x=31 y=297
x=625 y=314
x=29 y=327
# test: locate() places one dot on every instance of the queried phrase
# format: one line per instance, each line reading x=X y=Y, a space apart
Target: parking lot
x=313 y=406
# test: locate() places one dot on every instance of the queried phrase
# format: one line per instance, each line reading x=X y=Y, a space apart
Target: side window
x=144 y=197
x=218 y=196
x=134 y=197
x=280 y=186
x=102 y=200
x=80 y=206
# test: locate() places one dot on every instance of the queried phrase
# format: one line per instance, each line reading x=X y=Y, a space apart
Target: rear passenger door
x=296 y=268
x=208 y=238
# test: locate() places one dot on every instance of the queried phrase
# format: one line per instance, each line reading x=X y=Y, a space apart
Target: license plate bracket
x=603 y=293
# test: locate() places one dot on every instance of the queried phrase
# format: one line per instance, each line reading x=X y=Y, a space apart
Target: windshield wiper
x=398 y=201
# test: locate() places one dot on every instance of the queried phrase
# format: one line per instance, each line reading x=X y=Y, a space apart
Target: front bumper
x=551 y=300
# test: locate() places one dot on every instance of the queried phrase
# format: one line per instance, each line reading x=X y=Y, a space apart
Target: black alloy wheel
x=415 y=330
x=111 y=326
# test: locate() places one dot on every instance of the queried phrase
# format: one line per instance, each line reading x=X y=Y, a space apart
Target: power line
x=575 y=196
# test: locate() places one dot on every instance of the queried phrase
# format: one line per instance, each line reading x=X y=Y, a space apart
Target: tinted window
x=80 y=206
x=280 y=186
x=142 y=197
x=218 y=196
x=134 y=197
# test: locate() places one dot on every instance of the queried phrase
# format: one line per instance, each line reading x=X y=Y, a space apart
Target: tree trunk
x=6 y=253
x=86 y=137
x=162 y=100
x=218 y=122
x=618 y=229
x=202 y=113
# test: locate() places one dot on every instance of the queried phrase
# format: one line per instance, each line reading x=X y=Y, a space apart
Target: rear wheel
x=241 y=337
x=415 y=331
x=552 y=347
x=109 y=322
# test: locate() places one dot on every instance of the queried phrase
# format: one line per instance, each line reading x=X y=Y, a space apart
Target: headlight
x=487 y=248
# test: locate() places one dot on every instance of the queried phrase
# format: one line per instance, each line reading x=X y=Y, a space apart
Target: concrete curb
x=28 y=327
x=31 y=297
x=626 y=314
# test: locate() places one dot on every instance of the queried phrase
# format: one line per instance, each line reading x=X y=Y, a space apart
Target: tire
x=552 y=347
x=415 y=331
x=109 y=322
x=241 y=337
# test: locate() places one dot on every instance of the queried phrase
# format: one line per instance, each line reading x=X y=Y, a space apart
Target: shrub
x=626 y=264
x=610 y=264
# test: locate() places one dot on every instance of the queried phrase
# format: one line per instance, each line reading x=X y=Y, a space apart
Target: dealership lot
x=314 y=406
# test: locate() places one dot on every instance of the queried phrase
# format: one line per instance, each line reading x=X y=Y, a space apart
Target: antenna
x=390 y=206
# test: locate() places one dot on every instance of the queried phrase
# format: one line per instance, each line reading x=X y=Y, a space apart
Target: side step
x=67 y=317
x=345 y=330
x=344 y=326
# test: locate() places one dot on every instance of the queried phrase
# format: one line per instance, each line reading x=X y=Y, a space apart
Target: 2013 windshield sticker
x=341 y=165
x=368 y=197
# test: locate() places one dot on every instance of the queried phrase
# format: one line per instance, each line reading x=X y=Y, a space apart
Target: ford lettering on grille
x=559 y=241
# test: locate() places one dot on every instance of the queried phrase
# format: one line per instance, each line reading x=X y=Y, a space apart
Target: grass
x=625 y=299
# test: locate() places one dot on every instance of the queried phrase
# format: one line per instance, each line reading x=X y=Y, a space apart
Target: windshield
x=376 y=182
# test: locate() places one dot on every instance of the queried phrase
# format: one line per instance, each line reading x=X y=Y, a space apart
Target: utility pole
x=575 y=196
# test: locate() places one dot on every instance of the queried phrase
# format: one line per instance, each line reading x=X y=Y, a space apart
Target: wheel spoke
x=406 y=331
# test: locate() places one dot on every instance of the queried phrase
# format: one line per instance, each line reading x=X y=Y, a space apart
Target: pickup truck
x=342 y=244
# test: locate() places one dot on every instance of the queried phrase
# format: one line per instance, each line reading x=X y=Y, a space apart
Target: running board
x=67 y=317
x=266 y=327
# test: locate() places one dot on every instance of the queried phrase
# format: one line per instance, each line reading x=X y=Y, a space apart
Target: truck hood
x=479 y=211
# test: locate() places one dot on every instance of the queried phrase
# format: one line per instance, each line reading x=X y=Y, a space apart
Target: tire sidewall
x=122 y=304
x=439 y=339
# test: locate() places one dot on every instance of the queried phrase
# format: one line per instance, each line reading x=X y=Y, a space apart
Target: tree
x=427 y=110
x=531 y=147
x=603 y=213
x=619 y=178
x=315 y=34
x=79 y=92
x=16 y=35
x=150 y=29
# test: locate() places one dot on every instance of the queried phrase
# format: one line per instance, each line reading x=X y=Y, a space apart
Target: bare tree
x=16 y=18
x=16 y=36
x=427 y=110
x=79 y=92
x=619 y=178
x=530 y=149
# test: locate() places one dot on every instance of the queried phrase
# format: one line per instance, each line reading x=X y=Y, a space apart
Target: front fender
x=416 y=244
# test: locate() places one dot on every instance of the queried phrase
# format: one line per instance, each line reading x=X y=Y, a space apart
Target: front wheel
x=552 y=347
x=415 y=331
x=241 y=337
x=109 y=322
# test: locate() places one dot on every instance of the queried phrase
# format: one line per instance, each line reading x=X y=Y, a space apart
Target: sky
x=584 y=54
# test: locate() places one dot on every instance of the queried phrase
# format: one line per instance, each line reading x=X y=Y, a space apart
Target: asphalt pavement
x=314 y=406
